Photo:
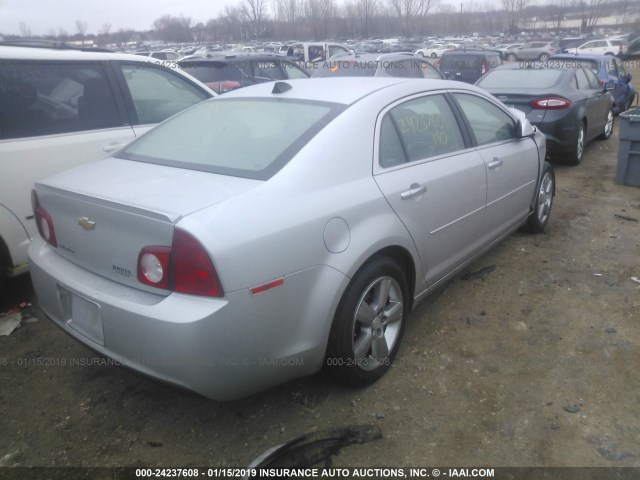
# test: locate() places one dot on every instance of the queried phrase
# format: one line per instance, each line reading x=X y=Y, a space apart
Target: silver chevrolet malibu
x=284 y=228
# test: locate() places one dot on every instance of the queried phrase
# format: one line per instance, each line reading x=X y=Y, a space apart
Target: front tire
x=544 y=57
x=511 y=57
x=434 y=55
x=368 y=325
x=537 y=221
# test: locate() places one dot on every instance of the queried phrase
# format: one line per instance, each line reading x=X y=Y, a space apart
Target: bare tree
x=25 y=30
x=319 y=14
x=173 y=29
x=255 y=14
x=594 y=11
x=81 y=28
x=410 y=13
x=513 y=10
x=365 y=11
x=556 y=13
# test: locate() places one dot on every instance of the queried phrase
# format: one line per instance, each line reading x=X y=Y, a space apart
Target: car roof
x=582 y=56
x=31 y=53
x=235 y=59
x=377 y=57
x=345 y=90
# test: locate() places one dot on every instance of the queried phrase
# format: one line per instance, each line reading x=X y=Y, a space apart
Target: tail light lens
x=551 y=103
x=222 y=87
x=184 y=267
x=485 y=68
x=153 y=266
x=192 y=267
x=43 y=221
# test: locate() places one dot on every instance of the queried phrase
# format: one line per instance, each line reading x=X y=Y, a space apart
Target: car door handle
x=415 y=190
x=112 y=147
x=495 y=164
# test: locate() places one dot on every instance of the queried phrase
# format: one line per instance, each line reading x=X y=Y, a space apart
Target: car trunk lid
x=105 y=212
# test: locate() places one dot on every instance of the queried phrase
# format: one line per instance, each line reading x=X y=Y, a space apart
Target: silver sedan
x=283 y=228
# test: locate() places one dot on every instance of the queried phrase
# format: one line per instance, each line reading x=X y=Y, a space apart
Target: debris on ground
x=9 y=323
x=624 y=217
x=571 y=408
x=315 y=448
x=14 y=317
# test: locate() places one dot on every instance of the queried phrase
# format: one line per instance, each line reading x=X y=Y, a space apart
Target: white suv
x=61 y=107
x=600 y=47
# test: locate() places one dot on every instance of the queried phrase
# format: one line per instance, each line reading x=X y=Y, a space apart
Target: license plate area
x=82 y=316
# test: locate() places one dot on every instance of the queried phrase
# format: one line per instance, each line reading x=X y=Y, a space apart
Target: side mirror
x=609 y=86
x=525 y=129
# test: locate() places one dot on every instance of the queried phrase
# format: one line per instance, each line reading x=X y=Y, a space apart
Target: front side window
x=243 y=137
x=45 y=98
x=159 y=93
x=488 y=122
x=419 y=129
x=293 y=71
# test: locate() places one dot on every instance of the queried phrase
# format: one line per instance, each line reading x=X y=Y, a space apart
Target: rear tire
x=608 y=126
x=537 y=221
x=544 y=57
x=434 y=55
x=511 y=57
x=575 y=157
x=368 y=325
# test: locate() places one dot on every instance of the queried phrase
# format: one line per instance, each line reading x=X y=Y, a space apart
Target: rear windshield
x=466 y=62
x=214 y=72
x=346 y=68
x=249 y=138
x=522 y=78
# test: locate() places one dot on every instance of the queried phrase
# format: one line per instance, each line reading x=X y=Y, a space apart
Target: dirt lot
x=533 y=364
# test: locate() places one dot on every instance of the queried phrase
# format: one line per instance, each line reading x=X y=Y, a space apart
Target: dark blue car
x=608 y=69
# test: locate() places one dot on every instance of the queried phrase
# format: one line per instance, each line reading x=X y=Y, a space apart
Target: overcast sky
x=41 y=16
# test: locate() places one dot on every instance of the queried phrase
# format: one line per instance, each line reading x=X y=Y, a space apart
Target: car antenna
x=281 y=87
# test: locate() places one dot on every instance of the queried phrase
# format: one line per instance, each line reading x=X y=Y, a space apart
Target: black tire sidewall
x=533 y=224
x=339 y=358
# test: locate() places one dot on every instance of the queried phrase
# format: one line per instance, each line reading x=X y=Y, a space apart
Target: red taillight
x=43 y=221
x=550 y=103
x=485 y=68
x=222 y=87
x=184 y=267
x=193 y=271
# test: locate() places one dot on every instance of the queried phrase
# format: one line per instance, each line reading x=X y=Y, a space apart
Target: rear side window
x=44 y=98
x=250 y=138
x=418 y=129
x=158 y=93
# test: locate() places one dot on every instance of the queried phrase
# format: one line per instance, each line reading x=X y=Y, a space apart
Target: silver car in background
x=284 y=228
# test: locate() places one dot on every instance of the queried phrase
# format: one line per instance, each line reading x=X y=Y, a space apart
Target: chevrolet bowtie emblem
x=87 y=224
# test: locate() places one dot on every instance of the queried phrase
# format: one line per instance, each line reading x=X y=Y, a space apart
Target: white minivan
x=61 y=107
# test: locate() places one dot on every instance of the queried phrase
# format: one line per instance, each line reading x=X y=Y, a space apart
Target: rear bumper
x=222 y=348
x=559 y=129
